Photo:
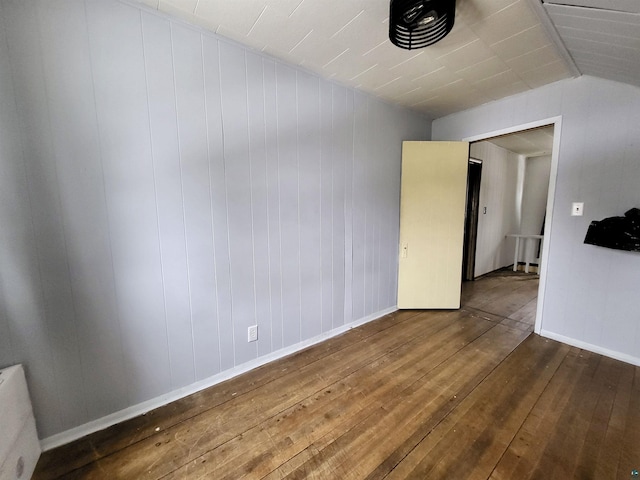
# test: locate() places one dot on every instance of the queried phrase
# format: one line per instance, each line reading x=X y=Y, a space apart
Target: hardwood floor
x=416 y=394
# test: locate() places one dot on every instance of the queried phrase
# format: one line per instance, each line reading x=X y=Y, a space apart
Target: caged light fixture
x=420 y=23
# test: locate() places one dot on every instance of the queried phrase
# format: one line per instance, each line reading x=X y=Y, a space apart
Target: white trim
x=623 y=357
x=75 y=433
x=514 y=129
x=553 y=175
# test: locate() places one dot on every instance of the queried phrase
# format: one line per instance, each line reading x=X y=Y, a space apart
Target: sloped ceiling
x=602 y=36
x=497 y=47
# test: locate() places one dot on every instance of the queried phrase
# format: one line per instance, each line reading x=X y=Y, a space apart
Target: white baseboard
x=623 y=357
x=135 y=410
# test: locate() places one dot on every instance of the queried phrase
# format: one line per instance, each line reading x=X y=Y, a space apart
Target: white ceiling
x=530 y=143
x=602 y=36
x=497 y=47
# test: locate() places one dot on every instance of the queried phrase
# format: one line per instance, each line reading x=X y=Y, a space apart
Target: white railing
x=525 y=239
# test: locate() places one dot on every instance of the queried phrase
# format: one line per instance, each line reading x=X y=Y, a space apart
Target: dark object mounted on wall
x=420 y=23
x=621 y=233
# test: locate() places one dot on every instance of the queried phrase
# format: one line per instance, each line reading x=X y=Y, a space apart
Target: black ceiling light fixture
x=420 y=23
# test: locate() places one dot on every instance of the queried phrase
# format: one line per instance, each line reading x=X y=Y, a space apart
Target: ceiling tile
x=522 y=43
x=188 y=6
x=438 y=78
x=505 y=23
x=541 y=56
x=471 y=11
x=411 y=97
x=349 y=65
x=460 y=36
x=270 y=21
x=471 y=54
x=351 y=34
x=375 y=78
x=497 y=47
x=220 y=12
x=389 y=56
x=502 y=91
x=421 y=64
x=326 y=18
x=442 y=104
x=458 y=87
x=316 y=49
x=482 y=70
x=283 y=7
x=497 y=81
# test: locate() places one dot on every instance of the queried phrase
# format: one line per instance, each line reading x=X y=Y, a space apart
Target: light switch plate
x=577 y=209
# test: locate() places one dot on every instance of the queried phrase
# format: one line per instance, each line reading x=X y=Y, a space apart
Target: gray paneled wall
x=162 y=190
x=591 y=295
x=498 y=184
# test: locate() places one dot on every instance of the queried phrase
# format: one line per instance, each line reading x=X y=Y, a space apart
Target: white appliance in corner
x=19 y=445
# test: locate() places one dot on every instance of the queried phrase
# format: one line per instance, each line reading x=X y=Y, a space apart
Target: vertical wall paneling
x=326 y=203
x=66 y=67
x=339 y=158
x=360 y=157
x=218 y=201
x=286 y=92
x=534 y=200
x=498 y=195
x=9 y=206
x=169 y=198
x=371 y=288
x=585 y=302
x=308 y=102
x=123 y=125
x=348 y=208
x=259 y=199
x=24 y=299
x=71 y=102
x=194 y=161
x=53 y=298
x=162 y=190
x=273 y=203
x=233 y=83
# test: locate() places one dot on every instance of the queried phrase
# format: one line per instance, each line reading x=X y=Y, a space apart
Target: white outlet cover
x=252 y=333
x=577 y=209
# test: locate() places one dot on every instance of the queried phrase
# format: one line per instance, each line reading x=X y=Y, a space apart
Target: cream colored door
x=432 y=208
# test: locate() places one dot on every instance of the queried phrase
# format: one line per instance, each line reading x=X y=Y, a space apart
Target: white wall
x=534 y=201
x=591 y=295
x=498 y=194
x=163 y=189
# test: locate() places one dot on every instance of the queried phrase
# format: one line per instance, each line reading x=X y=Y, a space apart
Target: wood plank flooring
x=416 y=394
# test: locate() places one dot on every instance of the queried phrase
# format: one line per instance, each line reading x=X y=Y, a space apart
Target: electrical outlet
x=252 y=333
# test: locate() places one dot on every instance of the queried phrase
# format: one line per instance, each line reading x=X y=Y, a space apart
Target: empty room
x=331 y=239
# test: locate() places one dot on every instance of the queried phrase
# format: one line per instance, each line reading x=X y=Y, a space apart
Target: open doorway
x=537 y=253
x=472 y=210
x=506 y=204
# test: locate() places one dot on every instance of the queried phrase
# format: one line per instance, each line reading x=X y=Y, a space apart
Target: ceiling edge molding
x=538 y=8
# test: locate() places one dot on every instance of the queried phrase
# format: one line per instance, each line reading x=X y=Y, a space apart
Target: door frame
x=556 y=122
x=472 y=211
